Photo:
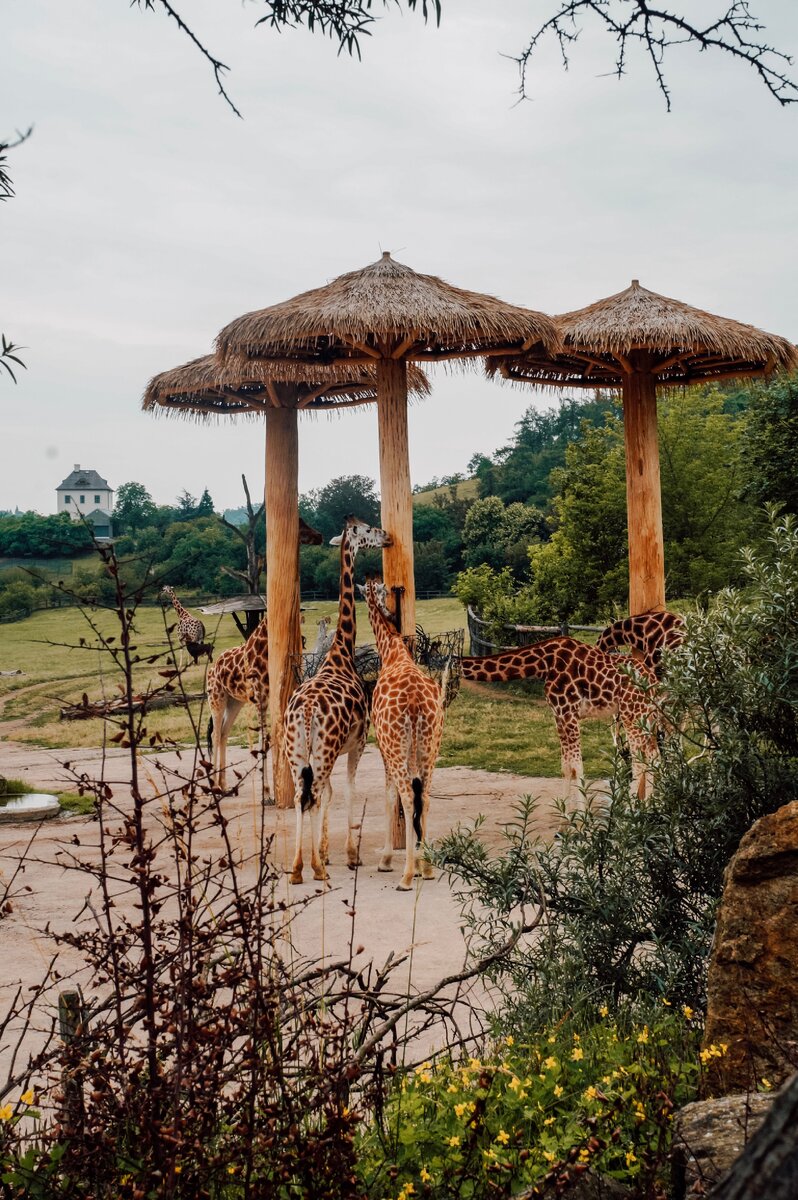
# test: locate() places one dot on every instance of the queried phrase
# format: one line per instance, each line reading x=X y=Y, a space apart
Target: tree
x=249 y=536
x=736 y=32
x=770 y=445
x=134 y=508
x=499 y=535
x=32 y=536
x=328 y=508
x=205 y=506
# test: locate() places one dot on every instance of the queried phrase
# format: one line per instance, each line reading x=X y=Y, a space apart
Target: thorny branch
x=657 y=30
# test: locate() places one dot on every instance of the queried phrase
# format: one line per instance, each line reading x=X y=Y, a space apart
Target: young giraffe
x=580 y=681
x=190 y=629
x=328 y=716
x=649 y=633
x=407 y=710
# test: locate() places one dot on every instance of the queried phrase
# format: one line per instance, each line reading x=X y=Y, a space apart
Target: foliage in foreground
x=632 y=889
x=540 y=1112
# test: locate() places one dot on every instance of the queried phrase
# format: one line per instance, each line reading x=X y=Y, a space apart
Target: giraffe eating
x=190 y=629
x=327 y=716
x=407 y=710
x=581 y=681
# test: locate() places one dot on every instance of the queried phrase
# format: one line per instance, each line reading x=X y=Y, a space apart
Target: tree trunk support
x=643 y=494
x=397 y=506
x=282 y=581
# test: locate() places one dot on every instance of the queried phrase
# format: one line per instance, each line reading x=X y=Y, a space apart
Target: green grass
x=70 y=801
x=495 y=727
x=466 y=490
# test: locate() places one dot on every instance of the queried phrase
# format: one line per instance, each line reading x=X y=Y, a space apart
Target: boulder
x=709 y=1135
x=752 y=985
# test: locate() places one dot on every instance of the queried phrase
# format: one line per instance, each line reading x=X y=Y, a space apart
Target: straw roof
x=204 y=388
x=385 y=310
x=680 y=345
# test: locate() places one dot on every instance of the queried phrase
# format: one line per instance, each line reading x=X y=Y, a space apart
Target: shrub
x=18 y=600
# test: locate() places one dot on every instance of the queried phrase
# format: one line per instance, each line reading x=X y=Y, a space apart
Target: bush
x=18 y=600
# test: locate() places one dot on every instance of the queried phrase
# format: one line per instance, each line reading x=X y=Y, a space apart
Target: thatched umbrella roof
x=385 y=310
x=684 y=345
x=204 y=388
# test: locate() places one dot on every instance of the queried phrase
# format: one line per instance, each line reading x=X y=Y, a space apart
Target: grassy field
x=495 y=727
x=466 y=490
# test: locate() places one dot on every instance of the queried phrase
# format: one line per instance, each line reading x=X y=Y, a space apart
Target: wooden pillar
x=397 y=507
x=282 y=581
x=643 y=494
x=397 y=499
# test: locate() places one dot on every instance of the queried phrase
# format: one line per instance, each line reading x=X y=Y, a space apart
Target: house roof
x=98 y=517
x=82 y=478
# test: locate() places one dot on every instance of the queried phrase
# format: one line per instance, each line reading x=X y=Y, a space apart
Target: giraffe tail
x=418 y=806
x=209 y=737
x=306 y=799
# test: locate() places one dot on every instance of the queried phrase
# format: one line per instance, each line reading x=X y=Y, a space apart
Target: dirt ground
x=385 y=921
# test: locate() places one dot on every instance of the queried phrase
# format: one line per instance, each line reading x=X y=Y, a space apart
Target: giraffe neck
x=178 y=607
x=525 y=662
x=346 y=630
x=388 y=639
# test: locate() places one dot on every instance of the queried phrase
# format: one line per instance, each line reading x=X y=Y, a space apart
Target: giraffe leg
x=643 y=747
x=386 y=858
x=324 y=846
x=353 y=858
x=296 y=869
x=316 y=821
x=571 y=753
x=406 y=883
x=221 y=732
x=426 y=866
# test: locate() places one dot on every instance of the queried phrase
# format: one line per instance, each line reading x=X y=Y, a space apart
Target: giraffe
x=190 y=629
x=239 y=675
x=407 y=710
x=649 y=633
x=327 y=716
x=581 y=681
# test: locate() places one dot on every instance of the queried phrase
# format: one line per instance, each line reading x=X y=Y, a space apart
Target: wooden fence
x=516 y=635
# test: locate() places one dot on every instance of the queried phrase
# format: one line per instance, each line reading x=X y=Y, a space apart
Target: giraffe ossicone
x=327 y=716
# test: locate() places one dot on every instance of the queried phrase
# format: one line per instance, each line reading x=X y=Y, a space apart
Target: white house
x=86 y=494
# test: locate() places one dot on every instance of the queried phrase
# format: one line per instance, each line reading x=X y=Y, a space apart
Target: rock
x=752 y=986
x=709 y=1135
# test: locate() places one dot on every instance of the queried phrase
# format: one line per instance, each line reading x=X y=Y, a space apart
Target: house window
x=67 y=499
x=96 y=499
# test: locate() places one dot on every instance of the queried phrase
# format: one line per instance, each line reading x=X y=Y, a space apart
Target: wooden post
x=643 y=495
x=397 y=507
x=282 y=581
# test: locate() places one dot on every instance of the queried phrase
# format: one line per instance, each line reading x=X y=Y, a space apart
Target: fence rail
x=517 y=635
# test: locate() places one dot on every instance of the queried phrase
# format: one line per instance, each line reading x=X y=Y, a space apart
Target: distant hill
x=466 y=490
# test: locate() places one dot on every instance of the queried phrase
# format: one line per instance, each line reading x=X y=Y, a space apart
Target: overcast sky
x=147 y=216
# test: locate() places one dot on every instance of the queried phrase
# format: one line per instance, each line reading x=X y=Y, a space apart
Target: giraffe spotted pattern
x=239 y=676
x=580 y=681
x=649 y=633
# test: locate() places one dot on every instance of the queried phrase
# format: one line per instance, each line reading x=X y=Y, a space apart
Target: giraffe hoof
x=321 y=876
x=296 y=877
x=384 y=867
x=404 y=887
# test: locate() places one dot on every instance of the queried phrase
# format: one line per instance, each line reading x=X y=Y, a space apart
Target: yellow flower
x=666 y=1002
x=424 y=1175
x=27 y=1097
x=515 y=1083
x=549 y=1121
x=509 y=1040
x=577 y=1038
x=590 y=1093
x=178 y=1168
x=550 y=1063
x=687 y=1012
x=642 y=1037
x=453 y=1088
x=475 y=1064
x=552 y=1040
x=584 y=1156
x=6 y=1112
x=408 y=1189
x=503 y=1137
x=630 y=1157
x=577 y=1053
x=454 y=1140
x=557 y=1090
x=549 y=1157
x=232 y=1170
x=724 y=1046
x=606 y=1078
x=460 y=1109
x=765 y=1084
x=490 y=1153
x=604 y=1011
x=425 y=1077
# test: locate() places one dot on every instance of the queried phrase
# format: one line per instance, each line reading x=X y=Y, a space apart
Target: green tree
x=328 y=508
x=31 y=536
x=134 y=508
x=770 y=444
x=205 y=506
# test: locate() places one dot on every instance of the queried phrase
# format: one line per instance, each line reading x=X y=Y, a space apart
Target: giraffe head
x=380 y=592
x=357 y=535
x=166 y=590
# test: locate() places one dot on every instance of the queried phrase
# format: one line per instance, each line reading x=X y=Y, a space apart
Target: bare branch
x=219 y=68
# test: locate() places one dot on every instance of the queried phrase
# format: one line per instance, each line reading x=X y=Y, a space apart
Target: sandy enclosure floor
x=385 y=921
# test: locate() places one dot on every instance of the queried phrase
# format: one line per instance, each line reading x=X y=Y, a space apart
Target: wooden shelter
x=636 y=342
x=204 y=390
